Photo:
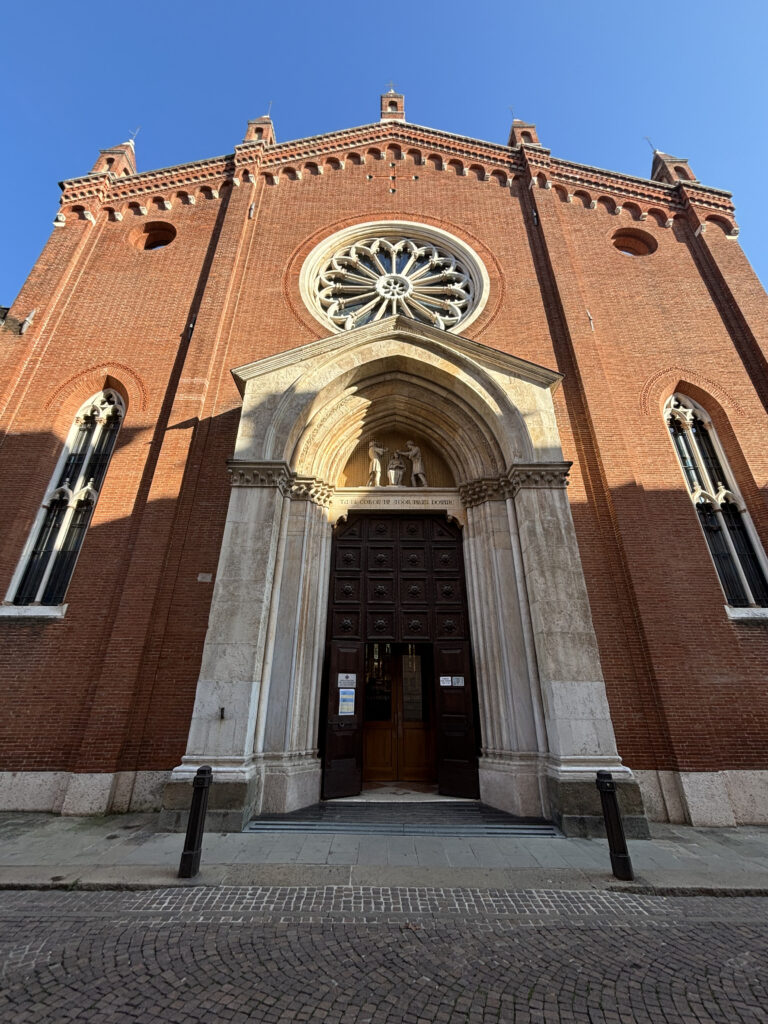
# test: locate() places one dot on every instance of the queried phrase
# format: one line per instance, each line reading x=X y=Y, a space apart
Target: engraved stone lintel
x=396 y=499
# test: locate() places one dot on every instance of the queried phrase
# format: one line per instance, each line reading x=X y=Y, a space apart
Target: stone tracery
x=378 y=277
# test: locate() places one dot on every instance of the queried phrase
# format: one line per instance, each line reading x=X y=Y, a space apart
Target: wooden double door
x=398 y=691
x=398 y=714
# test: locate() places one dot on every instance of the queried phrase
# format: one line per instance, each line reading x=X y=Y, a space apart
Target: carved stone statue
x=395 y=469
x=418 y=476
x=375 y=454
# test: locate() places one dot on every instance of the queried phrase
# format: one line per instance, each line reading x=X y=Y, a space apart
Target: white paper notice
x=347 y=679
x=445 y=680
x=346 y=702
x=458 y=680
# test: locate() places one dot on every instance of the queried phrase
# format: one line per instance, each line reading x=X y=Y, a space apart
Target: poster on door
x=346 y=701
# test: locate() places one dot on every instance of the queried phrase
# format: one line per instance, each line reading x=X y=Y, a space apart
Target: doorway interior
x=398 y=715
x=398 y=695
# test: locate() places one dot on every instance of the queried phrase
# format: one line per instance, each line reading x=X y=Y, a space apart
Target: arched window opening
x=49 y=561
x=731 y=538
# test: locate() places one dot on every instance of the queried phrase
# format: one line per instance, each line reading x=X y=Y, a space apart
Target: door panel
x=398 y=741
x=380 y=716
x=416 y=736
x=456 y=743
x=343 y=766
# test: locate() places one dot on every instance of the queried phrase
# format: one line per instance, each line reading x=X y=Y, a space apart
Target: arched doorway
x=399 y=700
x=543 y=714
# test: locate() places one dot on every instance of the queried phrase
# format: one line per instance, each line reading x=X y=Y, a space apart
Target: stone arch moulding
x=543 y=713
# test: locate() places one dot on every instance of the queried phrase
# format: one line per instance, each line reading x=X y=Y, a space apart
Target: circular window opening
x=379 y=269
x=154 y=235
x=632 y=242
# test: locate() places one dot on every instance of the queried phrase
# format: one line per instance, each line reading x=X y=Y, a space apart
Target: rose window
x=379 y=277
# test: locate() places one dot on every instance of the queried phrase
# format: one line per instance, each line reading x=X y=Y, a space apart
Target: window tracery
x=378 y=277
x=57 y=536
x=378 y=269
x=733 y=544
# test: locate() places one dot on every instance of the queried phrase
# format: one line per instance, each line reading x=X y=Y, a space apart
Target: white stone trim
x=393 y=228
x=746 y=614
x=101 y=406
x=82 y=793
x=33 y=611
x=706 y=799
x=683 y=409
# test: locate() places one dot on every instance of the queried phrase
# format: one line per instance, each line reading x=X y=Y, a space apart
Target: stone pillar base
x=576 y=809
x=513 y=783
x=274 y=784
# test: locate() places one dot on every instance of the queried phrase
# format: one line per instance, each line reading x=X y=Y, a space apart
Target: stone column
x=231 y=692
x=511 y=717
x=578 y=720
x=286 y=740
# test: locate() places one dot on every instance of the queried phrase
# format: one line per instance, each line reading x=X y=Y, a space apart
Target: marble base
x=514 y=785
x=270 y=785
x=707 y=799
x=576 y=809
x=73 y=793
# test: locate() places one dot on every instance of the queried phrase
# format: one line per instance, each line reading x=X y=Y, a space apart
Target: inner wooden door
x=398 y=717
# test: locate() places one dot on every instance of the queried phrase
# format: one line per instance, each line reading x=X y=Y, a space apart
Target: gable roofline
x=307 y=147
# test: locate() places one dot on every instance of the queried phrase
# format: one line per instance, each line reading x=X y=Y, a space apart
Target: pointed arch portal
x=487 y=421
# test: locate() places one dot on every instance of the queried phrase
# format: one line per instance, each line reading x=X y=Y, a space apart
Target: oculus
x=362 y=275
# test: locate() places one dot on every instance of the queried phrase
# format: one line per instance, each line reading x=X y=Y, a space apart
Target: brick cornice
x=517 y=160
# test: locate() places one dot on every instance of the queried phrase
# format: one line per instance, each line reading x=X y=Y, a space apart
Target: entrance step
x=408 y=818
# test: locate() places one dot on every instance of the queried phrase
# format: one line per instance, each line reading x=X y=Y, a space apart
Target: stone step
x=443 y=818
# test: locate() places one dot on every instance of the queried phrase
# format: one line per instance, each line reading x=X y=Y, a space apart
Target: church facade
x=387 y=456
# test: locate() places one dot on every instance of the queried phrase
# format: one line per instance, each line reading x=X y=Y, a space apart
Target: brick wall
x=111 y=686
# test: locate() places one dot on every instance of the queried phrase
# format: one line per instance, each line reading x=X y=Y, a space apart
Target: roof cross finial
x=391 y=86
x=650 y=143
x=134 y=133
x=269 y=109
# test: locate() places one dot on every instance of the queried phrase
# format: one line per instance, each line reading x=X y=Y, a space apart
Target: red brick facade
x=110 y=686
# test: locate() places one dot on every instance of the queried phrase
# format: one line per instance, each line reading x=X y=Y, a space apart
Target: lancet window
x=733 y=543
x=49 y=559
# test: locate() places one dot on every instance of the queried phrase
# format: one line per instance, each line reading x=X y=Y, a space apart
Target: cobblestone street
x=356 y=954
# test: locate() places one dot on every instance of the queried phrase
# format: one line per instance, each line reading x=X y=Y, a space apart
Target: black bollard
x=193 y=844
x=614 y=828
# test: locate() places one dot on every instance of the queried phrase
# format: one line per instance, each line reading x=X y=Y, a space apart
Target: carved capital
x=548 y=475
x=278 y=475
x=260 y=474
x=308 y=488
x=475 y=492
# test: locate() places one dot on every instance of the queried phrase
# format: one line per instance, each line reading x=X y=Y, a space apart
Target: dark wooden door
x=343 y=761
x=397 y=582
x=398 y=718
x=456 y=740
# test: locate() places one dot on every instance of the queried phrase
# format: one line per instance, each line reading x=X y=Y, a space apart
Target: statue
x=375 y=453
x=395 y=469
x=418 y=476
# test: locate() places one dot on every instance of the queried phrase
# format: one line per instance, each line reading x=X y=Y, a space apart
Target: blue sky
x=595 y=80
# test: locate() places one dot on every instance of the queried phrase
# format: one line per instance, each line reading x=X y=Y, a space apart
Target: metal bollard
x=193 y=843
x=614 y=828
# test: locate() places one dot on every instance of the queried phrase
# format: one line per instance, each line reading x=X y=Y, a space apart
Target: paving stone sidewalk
x=127 y=851
x=381 y=955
